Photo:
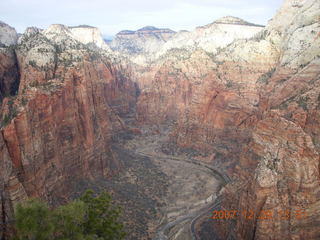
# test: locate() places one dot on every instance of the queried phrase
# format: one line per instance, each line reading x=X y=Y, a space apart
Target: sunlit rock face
x=8 y=35
x=142 y=44
x=214 y=36
x=278 y=167
x=88 y=34
x=253 y=106
x=149 y=43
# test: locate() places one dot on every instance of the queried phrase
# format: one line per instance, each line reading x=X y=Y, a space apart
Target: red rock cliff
x=254 y=106
x=58 y=129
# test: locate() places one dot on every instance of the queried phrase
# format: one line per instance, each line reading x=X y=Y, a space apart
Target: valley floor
x=162 y=195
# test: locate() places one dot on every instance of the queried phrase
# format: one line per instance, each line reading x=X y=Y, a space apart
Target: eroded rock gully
x=222 y=127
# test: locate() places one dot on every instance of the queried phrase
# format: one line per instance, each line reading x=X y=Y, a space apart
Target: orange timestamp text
x=262 y=215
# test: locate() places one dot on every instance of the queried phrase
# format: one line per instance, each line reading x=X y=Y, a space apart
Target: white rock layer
x=8 y=35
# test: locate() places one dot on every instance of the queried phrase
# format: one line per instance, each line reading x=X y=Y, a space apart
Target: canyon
x=175 y=125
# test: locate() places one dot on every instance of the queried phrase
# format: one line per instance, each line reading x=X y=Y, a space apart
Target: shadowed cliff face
x=9 y=73
x=9 y=70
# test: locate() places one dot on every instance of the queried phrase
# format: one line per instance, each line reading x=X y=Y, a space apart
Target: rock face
x=148 y=44
x=8 y=35
x=144 y=41
x=193 y=79
x=88 y=34
x=252 y=108
x=284 y=142
x=142 y=45
x=9 y=72
x=57 y=130
x=245 y=98
x=214 y=36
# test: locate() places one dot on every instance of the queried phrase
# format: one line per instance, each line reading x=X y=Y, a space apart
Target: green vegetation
x=303 y=65
x=265 y=77
x=92 y=217
x=12 y=113
x=229 y=84
x=32 y=220
x=24 y=101
x=283 y=106
x=303 y=102
x=33 y=63
x=94 y=55
x=34 y=84
x=43 y=50
x=262 y=35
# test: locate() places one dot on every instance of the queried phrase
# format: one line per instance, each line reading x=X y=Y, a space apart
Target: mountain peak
x=57 y=29
x=147 y=28
x=235 y=21
x=8 y=35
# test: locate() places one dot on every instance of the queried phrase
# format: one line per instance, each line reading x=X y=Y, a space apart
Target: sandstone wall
x=56 y=132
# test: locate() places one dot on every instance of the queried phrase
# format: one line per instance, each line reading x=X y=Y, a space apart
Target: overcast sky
x=116 y=15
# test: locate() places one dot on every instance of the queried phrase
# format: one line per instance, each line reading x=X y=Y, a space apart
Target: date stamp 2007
x=285 y=214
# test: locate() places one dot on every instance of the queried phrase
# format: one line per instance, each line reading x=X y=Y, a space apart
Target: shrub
x=12 y=113
x=24 y=101
x=33 y=63
x=265 y=77
x=303 y=102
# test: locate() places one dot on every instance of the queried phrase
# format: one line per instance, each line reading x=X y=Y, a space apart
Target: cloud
x=116 y=15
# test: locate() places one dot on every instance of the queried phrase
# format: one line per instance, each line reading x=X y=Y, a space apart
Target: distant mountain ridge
x=149 y=43
x=145 y=40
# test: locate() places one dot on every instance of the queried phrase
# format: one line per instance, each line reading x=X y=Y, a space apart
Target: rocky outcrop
x=234 y=21
x=8 y=35
x=148 y=44
x=9 y=70
x=205 y=42
x=278 y=168
x=146 y=40
x=194 y=79
x=87 y=34
x=141 y=46
x=213 y=37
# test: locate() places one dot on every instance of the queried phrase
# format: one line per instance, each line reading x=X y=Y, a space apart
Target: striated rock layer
x=57 y=130
x=248 y=106
x=146 y=40
x=252 y=109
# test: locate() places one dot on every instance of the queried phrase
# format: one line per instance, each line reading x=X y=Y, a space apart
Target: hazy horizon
x=112 y=17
